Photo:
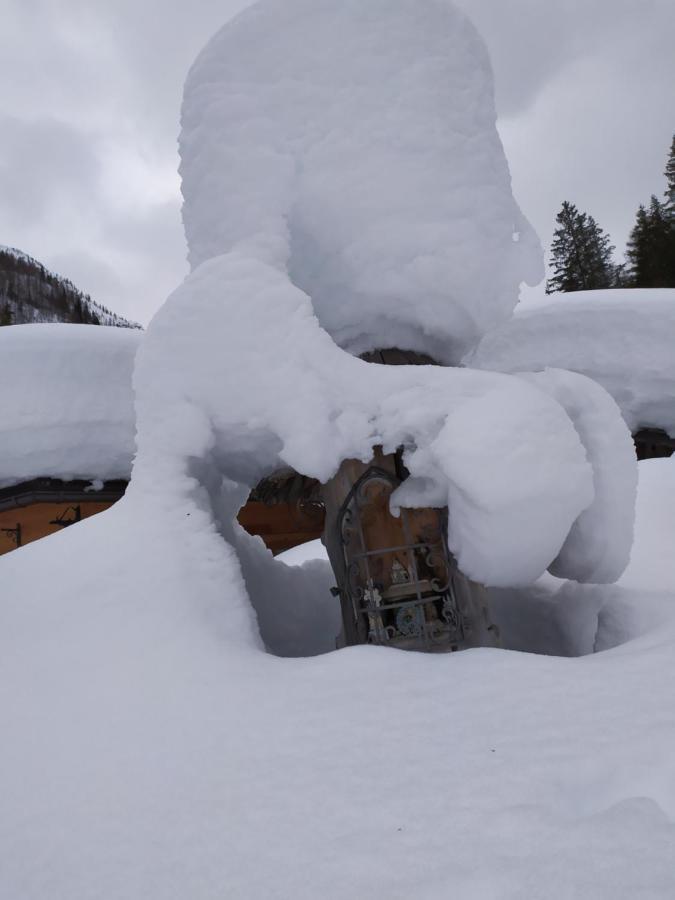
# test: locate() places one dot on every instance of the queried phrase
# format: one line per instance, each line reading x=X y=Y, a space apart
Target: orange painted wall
x=281 y=526
x=35 y=521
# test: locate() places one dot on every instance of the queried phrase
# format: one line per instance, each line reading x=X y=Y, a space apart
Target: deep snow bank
x=150 y=749
x=66 y=403
x=623 y=339
x=355 y=144
x=566 y=618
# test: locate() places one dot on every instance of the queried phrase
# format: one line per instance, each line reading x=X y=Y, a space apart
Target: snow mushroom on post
x=346 y=191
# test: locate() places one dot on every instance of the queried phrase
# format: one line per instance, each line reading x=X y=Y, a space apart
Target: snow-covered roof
x=355 y=144
x=623 y=339
x=66 y=402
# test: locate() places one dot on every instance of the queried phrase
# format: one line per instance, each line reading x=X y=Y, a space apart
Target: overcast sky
x=89 y=105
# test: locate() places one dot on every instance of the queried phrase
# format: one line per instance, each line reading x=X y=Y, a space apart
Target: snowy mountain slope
x=31 y=293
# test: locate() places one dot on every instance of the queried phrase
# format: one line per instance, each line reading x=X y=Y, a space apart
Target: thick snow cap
x=66 y=404
x=354 y=144
x=345 y=188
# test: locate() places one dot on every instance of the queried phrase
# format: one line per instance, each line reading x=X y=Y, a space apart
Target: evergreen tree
x=602 y=270
x=670 y=189
x=622 y=278
x=669 y=213
x=651 y=248
x=663 y=244
x=581 y=254
x=638 y=251
x=5 y=315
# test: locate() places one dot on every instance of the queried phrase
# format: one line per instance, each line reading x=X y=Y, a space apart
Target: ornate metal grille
x=398 y=573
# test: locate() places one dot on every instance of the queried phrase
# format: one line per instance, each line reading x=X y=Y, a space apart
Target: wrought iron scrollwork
x=402 y=589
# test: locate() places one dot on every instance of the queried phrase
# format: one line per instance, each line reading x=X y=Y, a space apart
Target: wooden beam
x=282 y=525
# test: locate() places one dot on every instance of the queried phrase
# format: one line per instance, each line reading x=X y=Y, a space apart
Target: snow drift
x=151 y=749
x=66 y=402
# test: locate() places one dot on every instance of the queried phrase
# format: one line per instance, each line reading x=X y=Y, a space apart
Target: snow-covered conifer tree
x=581 y=254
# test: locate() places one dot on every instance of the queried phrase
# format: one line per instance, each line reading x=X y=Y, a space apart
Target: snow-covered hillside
x=31 y=293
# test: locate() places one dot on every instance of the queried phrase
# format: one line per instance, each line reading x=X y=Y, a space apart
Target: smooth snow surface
x=66 y=403
x=623 y=339
x=151 y=749
x=570 y=619
x=652 y=561
x=354 y=145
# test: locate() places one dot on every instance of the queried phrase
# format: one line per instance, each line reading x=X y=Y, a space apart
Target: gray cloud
x=532 y=41
x=43 y=162
x=91 y=96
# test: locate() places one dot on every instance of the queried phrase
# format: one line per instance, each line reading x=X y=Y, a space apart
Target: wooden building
x=43 y=506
